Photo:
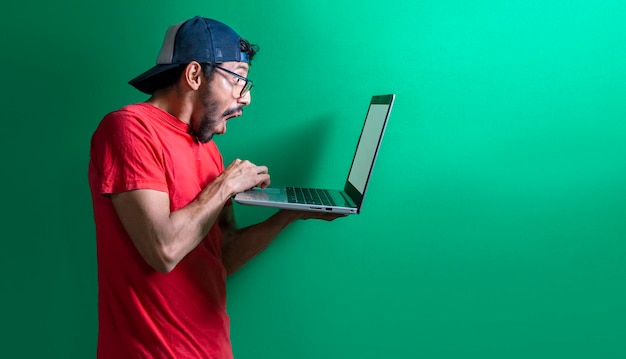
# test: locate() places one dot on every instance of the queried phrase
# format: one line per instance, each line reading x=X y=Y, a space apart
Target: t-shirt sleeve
x=127 y=155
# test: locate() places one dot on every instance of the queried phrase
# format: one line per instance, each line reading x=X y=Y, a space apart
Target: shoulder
x=128 y=127
x=128 y=118
x=134 y=112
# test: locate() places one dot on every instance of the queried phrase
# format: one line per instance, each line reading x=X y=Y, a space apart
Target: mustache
x=232 y=111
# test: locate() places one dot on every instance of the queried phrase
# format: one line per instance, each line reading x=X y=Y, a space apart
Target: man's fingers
x=247 y=174
x=265 y=182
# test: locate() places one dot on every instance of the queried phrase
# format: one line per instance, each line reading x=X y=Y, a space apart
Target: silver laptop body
x=349 y=200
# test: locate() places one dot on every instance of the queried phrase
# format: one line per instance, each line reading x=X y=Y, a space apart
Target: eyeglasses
x=247 y=83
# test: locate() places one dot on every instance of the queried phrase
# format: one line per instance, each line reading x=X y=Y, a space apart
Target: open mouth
x=232 y=113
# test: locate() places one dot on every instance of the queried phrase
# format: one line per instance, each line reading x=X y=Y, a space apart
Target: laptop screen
x=368 y=144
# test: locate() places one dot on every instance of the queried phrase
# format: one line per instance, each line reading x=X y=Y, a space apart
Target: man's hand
x=242 y=175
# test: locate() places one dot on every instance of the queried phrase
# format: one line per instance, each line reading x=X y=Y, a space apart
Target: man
x=165 y=228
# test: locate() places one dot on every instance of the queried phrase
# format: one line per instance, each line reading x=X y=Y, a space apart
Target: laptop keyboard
x=309 y=196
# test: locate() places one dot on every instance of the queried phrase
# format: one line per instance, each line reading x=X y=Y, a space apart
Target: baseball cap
x=198 y=39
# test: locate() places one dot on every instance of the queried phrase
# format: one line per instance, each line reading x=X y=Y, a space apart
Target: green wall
x=495 y=222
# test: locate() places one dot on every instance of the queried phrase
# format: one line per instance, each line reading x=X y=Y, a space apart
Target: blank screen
x=366 y=149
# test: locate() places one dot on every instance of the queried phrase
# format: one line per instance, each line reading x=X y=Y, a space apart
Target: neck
x=174 y=103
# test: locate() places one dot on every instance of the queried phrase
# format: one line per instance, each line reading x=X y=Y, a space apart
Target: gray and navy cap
x=198 y=39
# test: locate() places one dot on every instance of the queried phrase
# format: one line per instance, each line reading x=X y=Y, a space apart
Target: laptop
x=346 y=201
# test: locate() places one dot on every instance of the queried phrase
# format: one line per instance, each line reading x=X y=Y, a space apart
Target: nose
x=245 y=99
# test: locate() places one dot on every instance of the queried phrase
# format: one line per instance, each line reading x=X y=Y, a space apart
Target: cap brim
x=146 y=81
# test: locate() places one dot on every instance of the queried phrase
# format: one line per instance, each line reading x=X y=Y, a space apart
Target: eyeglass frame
x=248 y=83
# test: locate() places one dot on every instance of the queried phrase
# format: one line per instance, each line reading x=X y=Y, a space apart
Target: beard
x=206 y=126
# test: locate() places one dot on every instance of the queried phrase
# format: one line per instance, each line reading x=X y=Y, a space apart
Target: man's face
x=219 y=100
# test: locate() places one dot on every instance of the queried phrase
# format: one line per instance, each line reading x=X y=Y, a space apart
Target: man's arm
x=241 y=245
x=164 y=238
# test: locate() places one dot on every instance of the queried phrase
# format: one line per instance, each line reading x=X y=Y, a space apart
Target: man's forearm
x=244 y=244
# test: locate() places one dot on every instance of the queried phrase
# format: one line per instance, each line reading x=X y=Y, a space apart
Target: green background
x=495 y=222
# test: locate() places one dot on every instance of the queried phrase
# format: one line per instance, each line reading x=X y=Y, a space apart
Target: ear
x=193 y=75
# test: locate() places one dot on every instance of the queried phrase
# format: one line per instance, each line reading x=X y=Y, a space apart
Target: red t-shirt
x=143 y=313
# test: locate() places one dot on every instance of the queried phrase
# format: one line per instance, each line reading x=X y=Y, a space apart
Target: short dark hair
x=170 y=77
x=248 y=48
